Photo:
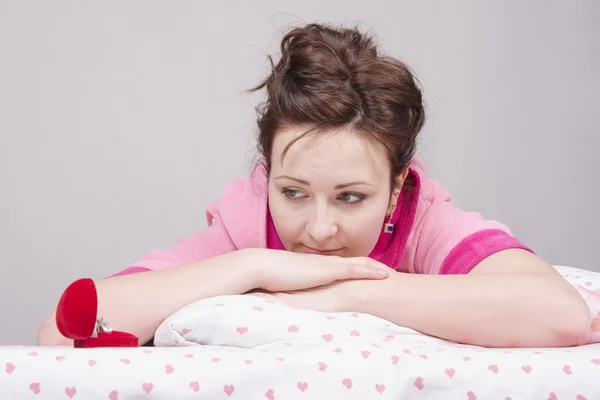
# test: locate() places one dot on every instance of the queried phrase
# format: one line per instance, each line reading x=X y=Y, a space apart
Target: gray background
x=120 y=121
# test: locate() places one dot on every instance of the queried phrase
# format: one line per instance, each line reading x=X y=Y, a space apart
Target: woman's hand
x=335 y=297
x=284 y=271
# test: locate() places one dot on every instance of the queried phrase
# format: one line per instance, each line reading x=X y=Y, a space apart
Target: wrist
x=372 y=296
x=359 y=295
x=248 y=269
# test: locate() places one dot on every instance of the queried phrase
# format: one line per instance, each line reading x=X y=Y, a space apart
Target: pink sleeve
x=453 y=241
x=207 y=243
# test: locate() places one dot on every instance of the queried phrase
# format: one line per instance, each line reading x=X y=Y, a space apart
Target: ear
x=399 y=181
x=402 y=177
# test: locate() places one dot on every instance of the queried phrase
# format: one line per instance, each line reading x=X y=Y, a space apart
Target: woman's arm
x=139 y=303
x=511 y=299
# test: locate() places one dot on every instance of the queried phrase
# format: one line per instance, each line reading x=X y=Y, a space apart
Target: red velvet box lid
x=77 y=310
x=77 y=319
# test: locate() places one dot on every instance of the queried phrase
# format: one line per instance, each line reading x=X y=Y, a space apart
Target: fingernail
x=382 y=272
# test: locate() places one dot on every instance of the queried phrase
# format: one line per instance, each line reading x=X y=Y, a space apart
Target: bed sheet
x=406 y=369
x=247 y=347
x=248 y=350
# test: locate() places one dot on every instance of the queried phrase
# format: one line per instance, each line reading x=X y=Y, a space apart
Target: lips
x=324 y=252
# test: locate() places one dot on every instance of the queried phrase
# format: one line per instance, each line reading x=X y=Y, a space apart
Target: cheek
x=362 y=234
x=288 y=224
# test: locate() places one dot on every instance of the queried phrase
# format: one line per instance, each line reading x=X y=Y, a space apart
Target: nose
x=321 y=225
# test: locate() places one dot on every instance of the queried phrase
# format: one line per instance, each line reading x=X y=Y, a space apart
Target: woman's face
x=330 y=193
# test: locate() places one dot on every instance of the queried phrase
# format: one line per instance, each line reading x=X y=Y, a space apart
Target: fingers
x=260 y=294
x=361 y=269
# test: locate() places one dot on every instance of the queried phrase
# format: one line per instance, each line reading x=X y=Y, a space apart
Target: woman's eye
x=351 y=198
x=293 y=194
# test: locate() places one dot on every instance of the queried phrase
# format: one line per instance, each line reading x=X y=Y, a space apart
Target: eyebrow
x=340 y=186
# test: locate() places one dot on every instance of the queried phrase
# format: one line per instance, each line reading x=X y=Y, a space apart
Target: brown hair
x=334 y=78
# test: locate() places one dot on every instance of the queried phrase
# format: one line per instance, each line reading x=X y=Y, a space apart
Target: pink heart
x=114 y=395
x=347 y=382
x=419 y=383
x=169 y=369
x=423 y=356
x=580 y=397
x=330 y=317
x=241 y=330
x=596 y=361
x=146 y=351
x=10 y=367
x=147 y=387
x=471 y=395
x=354 y=333
x=33 y=353
x=380 y=388
x=327 y=337
x=466 y=358
x=493 y=368
x=365 y=354
x=219 y=305
x=449 y=372
x=587 y=283
x=189 y=356
x=537 y=352
x=407 y=351
x=35 y=387
x=337 y=350
x=125 y=361
x=70 y=391
x=228 y=389
x=302 y=386
x=395 y=360
x=292 y=328
x=185 y=331
x=508 y=398
x=248 y=361
x=552 y=396
x=567 y=369
x=195 y=386
x=281 y=359
x=257 y=308
x=270 y=394
x=526 y=368
x=59 y=358
x=176 y=342
x=322 y=366
x=354 y=315
x=215 y=359
x=389 y=337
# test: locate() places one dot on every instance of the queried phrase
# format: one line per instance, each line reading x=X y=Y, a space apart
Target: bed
x=247 y=347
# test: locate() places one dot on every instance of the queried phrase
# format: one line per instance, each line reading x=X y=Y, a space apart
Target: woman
x=341 y=216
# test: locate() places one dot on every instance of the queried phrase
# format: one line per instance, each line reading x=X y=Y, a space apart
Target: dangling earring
x=389 y=227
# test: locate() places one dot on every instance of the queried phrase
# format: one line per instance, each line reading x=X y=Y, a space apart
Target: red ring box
x=77 y=319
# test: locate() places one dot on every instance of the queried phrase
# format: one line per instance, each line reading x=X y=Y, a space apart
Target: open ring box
x=77 y=319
